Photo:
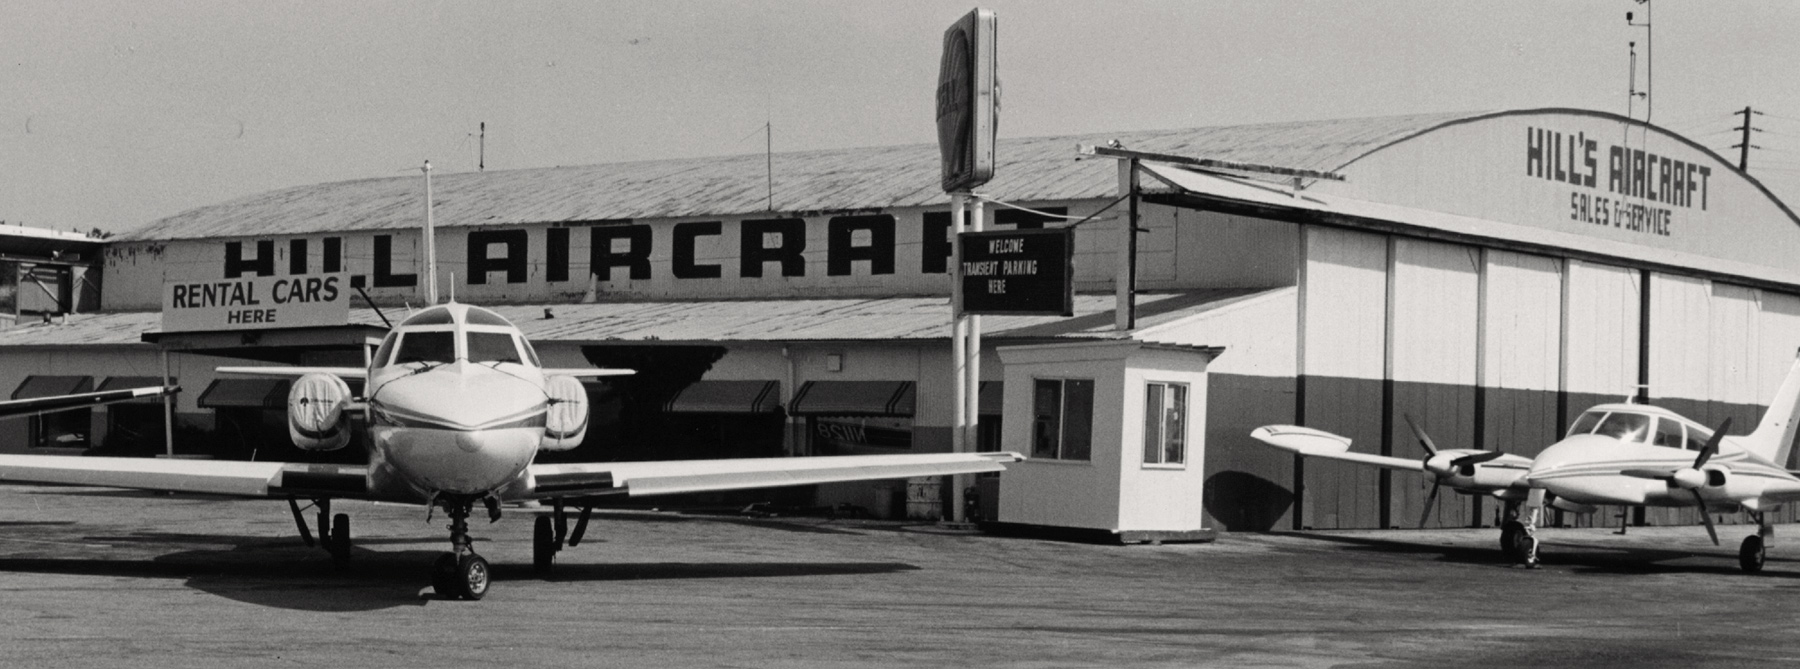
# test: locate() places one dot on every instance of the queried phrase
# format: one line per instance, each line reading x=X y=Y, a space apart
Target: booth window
x=1062 y=419
x=1165 y=423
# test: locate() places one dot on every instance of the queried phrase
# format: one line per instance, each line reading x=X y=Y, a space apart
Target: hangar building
x=1490 y=274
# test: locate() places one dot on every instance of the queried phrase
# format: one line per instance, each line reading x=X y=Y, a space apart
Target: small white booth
x=1115 y=440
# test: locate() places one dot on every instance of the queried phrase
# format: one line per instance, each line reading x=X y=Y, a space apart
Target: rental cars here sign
x=251 y=303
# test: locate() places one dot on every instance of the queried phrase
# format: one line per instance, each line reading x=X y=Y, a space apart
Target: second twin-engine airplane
x=1613 y=454
x=457 y=405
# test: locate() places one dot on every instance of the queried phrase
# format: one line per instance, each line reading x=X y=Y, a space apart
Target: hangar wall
x=1495 y=349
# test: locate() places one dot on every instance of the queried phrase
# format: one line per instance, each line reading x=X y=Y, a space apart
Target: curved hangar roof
x=1030 y=169
x=1576 y=175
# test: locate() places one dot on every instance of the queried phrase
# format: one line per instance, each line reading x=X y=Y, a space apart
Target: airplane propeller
x=1443 y=465
x=1691 y=478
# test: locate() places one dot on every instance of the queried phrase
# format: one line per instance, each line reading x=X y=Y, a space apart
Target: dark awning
x=50 y=386
x=991 y=399
x=129 y=382
x=246 y=393
x=854 y=398
x=727 y=397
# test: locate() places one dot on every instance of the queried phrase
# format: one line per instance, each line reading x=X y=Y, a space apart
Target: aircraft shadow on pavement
x=283 y=573
x=1581 y=556
x=798 y=524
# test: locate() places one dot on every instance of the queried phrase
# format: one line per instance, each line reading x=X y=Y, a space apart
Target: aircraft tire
x=1751 y=554
x=472 y=577
x=338 y=544
x=1510 y=545
x=543 y=545
x=443 y=576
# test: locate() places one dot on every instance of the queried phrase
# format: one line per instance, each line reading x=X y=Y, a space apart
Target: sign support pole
x=168 y=410
x=959 y=354
x=1124 y=282
x=969 y=379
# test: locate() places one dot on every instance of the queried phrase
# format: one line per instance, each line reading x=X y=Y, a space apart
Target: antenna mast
x=1649 y=60
x=481 y=160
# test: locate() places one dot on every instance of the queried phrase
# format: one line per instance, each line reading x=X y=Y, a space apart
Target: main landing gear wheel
x=543 y=545
x=337 y=542
x=1752 y=553
x=1510 y=545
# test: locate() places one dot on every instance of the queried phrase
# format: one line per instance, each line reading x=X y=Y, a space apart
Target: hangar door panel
x=1778 y=325
x=1435 y=307
x=1680 y=341
x=1343 y=336
x=1735 y=348
x=1521 y=356
x=1601 y=335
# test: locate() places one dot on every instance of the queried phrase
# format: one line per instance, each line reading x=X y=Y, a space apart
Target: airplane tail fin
x=1774 y=436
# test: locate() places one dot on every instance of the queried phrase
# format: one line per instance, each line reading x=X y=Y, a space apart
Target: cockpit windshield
x=1636 y=428
x=1586 y=423
x=492 y=347
x=1626 y=427
x=432 y=347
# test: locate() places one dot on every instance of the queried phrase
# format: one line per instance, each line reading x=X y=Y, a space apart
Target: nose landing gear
x=460 y=574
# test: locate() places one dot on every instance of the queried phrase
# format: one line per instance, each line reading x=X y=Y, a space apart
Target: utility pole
x=481 y=150
x=1744 y=146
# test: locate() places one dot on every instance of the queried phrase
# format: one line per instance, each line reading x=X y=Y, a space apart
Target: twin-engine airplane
x=458 y=405
x=1613 y=454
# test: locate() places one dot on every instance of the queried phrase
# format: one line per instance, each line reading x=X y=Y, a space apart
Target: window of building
x=1062 y=419
x=1165 y=423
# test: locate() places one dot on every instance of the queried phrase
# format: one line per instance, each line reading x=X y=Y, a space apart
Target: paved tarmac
x=95 y=577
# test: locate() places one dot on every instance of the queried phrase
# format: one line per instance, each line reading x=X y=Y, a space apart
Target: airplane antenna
x=430 y=243
x=1640 y=391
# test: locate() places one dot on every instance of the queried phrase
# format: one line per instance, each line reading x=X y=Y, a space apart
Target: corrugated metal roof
x=1029 y=169
x=884 y=319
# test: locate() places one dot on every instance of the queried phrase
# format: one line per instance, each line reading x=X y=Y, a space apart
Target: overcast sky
x=114 y=113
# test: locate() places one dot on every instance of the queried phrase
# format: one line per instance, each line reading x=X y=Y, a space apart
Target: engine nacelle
x=319 y=412
x=567 y=421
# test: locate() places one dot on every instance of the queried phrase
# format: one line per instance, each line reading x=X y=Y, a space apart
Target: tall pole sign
x=967 y=102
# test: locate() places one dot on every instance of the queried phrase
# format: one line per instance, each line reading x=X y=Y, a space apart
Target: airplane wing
x=1319 y=443
x=36 y=405
x=219 y=477
x=678 y=476
x=296 y=372
x=587 y=371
